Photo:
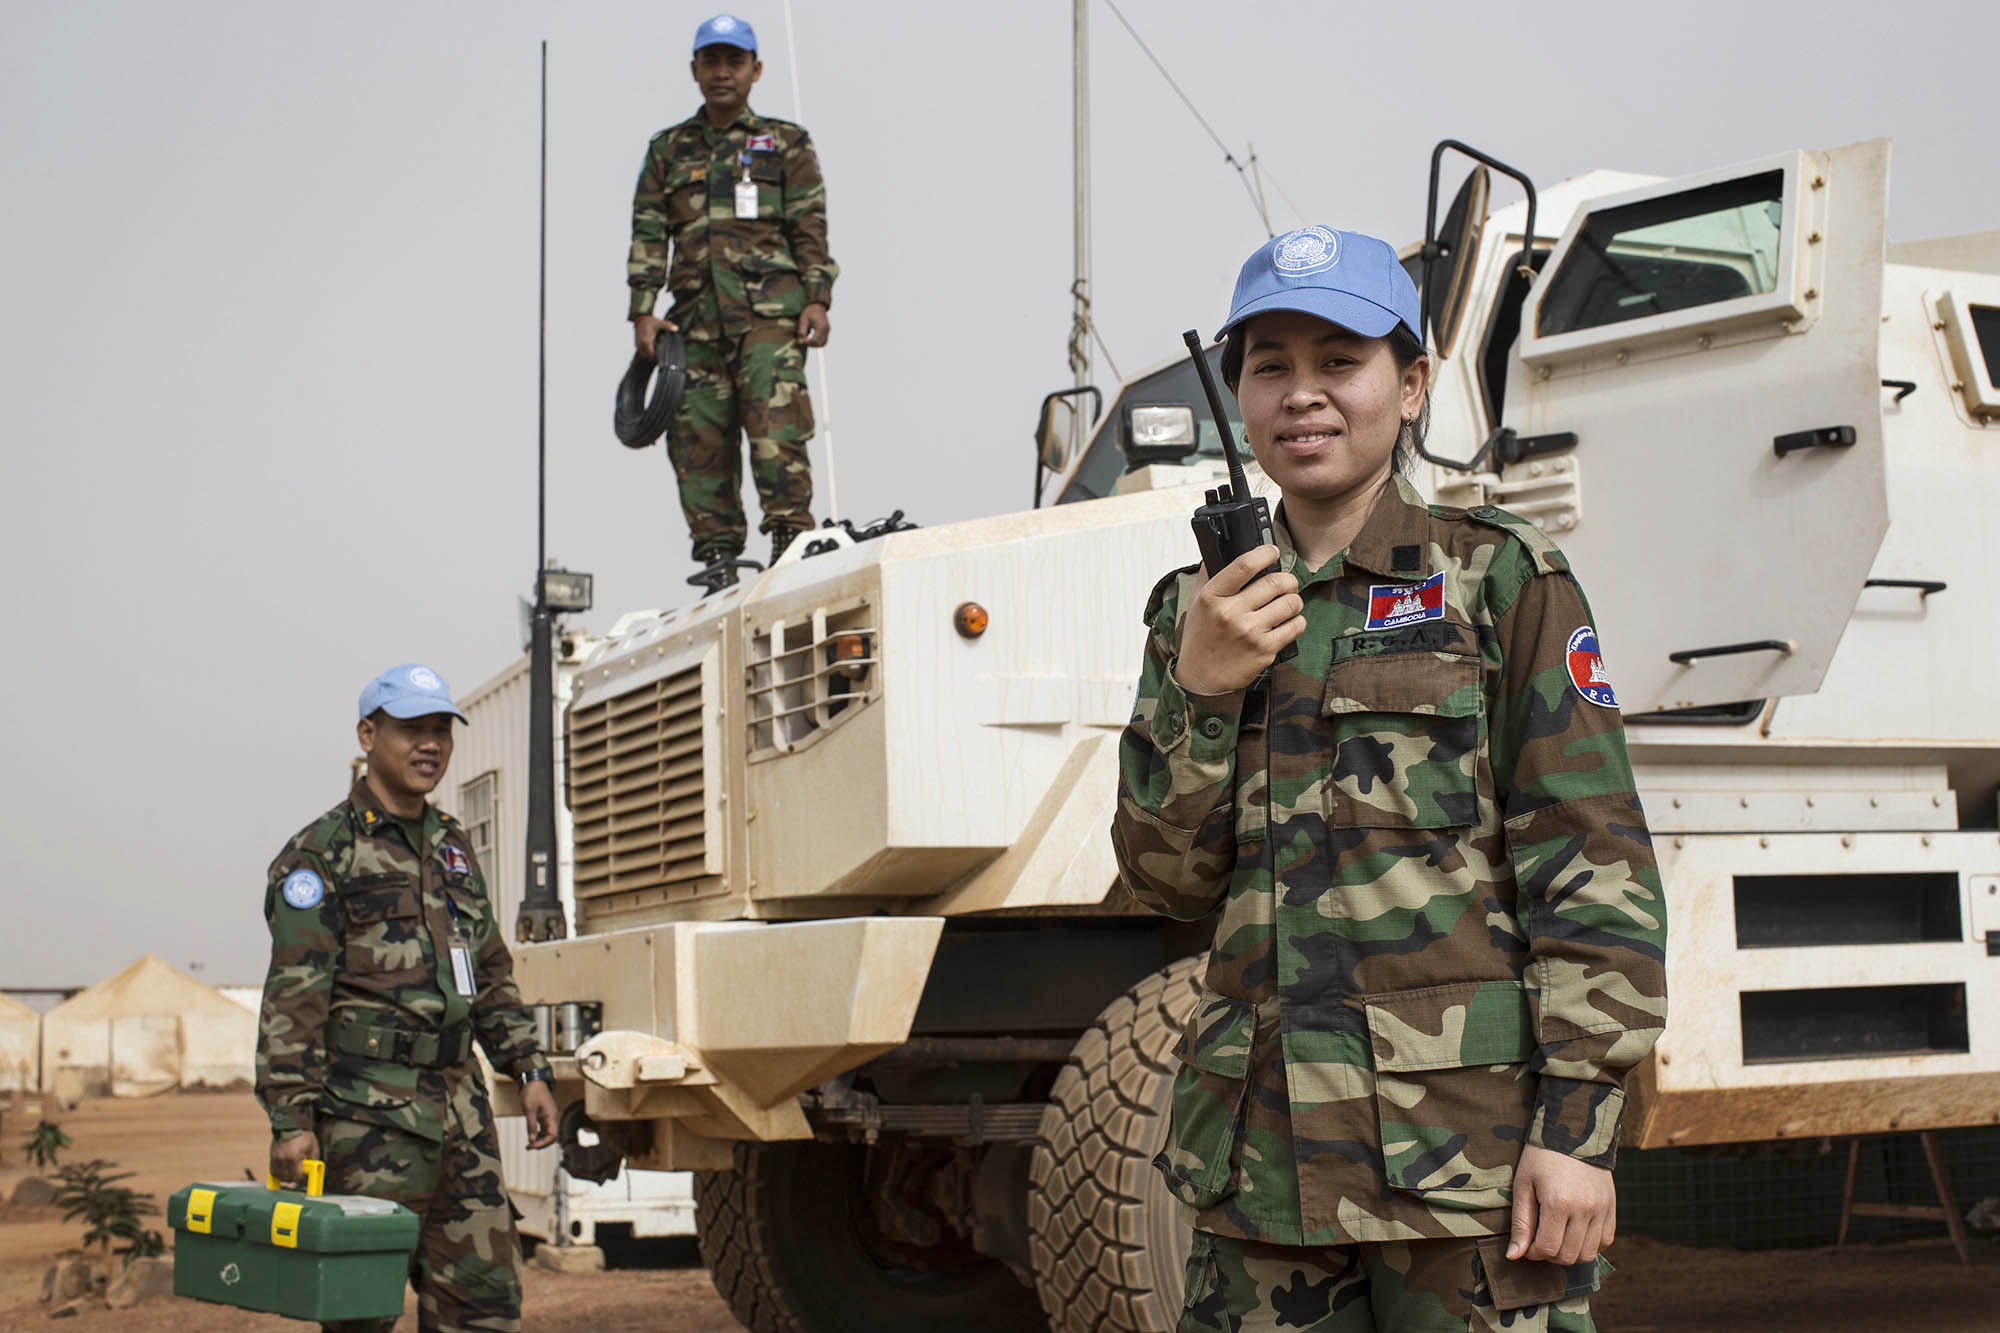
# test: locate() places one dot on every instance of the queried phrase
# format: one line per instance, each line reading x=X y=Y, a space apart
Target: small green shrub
x=110 y=1211
x=44 y=1143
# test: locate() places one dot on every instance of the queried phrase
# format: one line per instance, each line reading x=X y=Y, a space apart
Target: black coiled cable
x=650 y=393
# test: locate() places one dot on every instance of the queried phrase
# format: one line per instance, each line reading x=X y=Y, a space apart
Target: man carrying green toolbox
x=388 y=966
x=325 y=1257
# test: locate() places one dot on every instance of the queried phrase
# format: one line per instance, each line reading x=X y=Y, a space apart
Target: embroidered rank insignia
x=456 y=861
x=1395 y=604
x=1586 y=669
x=761 y=143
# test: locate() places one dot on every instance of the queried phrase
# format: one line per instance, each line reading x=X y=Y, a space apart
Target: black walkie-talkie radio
x=1233 y=521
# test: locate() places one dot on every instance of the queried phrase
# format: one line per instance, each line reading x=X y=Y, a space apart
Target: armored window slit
x=1804 y=911
x=1853 y=1023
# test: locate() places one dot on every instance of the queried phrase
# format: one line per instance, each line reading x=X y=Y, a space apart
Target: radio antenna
x=1239 y=486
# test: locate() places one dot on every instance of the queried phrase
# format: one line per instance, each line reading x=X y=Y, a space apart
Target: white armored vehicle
x=846 y=913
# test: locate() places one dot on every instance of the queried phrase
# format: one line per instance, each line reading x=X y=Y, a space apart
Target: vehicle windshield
x=1104 y=458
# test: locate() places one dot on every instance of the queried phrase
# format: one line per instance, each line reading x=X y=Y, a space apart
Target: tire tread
x=1093 y=1272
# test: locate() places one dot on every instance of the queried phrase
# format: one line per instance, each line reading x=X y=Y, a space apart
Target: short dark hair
x=1403 y=345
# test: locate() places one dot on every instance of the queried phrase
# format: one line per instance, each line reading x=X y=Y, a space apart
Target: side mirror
x=1057 y=426
x=1053 y=435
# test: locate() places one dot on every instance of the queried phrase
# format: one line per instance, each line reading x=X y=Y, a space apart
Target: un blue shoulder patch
x=303 y=889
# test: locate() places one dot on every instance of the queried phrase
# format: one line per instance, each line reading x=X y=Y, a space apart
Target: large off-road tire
x=1109 y=1244
x=789 y=1242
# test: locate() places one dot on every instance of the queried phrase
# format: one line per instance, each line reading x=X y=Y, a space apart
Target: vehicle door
x=1711 y=343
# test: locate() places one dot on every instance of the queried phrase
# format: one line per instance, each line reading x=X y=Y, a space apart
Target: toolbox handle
x=315 y=1170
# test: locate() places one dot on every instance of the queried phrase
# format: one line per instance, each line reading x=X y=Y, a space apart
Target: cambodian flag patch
x=1391 y=605
x=1586 y=669
x=761 y=143
x=456 y=861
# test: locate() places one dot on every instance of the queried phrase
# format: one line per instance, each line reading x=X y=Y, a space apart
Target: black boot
x=716 y=575
x=781 y=537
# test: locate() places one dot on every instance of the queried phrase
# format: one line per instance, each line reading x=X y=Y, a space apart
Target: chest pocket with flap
x=383 y=926
x=1407 y=723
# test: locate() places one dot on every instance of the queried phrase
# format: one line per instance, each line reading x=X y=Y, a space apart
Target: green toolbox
x=310 y=1256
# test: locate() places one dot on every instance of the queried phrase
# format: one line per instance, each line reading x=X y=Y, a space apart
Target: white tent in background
x=20 y=1046
x=149 y=1028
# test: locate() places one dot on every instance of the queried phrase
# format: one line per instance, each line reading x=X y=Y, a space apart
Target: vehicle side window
x=1986 y=325
x=1692 y=249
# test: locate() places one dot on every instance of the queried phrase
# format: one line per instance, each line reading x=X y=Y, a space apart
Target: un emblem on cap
x=1307 y=250
x=424 y=678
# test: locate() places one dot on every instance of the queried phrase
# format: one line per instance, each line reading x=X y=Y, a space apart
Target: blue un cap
x=1343 y=277
x=726 y=30
x=409 y=691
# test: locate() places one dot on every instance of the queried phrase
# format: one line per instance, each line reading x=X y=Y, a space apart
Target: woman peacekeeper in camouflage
x=1442 y=932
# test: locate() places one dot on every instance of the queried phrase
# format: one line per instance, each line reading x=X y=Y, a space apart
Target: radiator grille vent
x=639 y=787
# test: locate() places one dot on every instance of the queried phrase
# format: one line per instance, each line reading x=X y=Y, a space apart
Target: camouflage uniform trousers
x=466 y=1269
x=1423 y=1286
x=755 y=383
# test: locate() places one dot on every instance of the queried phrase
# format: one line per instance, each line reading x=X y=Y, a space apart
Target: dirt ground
x=173 y=1140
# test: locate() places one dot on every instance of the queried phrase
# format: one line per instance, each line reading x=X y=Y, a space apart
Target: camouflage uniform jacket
x=371 y=960
x=728 y=270
x=1442 y=931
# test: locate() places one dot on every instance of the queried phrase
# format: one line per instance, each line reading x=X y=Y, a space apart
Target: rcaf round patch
x=1307 y=250
x=1586 y=669
x=303 y=889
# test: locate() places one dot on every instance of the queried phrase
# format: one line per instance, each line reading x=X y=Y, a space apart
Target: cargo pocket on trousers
x=1516 y=1284
x=1209 y=1096
x=1453 y=1094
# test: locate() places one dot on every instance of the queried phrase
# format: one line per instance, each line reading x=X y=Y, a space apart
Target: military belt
x=403 y=1046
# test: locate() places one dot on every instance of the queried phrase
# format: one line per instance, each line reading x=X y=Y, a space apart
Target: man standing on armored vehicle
x=739 y=199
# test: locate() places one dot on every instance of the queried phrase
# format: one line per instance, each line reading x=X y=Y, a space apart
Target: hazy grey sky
x=269 y=283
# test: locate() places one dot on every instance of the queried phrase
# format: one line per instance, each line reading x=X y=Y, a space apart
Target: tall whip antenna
x=540 y=915
x=1080 y=325
x=825 y=395
x=542 y=357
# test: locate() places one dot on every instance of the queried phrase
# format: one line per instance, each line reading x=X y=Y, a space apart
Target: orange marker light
x=970 y=619
x=847 y=656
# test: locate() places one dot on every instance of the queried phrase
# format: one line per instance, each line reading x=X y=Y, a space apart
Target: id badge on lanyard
x=462 y=975
x=746 y=193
